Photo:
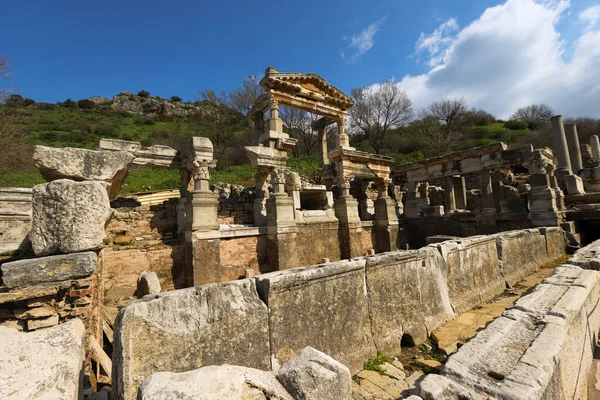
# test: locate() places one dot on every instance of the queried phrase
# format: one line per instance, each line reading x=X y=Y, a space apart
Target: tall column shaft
x=574 y=149
x=561 y=148
x=450 y=201
x=595 y=144
x=485 y=180
x=460 y=192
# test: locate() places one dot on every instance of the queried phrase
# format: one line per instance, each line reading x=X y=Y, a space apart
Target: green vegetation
x=374 y=364
x=150 y=179
x=23 y=179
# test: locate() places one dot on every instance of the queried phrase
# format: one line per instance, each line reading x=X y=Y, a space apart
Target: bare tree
x=243 y=98
x=299 y=126
x=377 y=111
x=4 y=74
x=440 y=123
x=534 y=114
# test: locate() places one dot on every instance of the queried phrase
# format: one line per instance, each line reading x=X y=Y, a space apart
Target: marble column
x=449 y=200
x=595 y=144
x=322 y=134
x=460 y=192
x=346 y=211
x=386 y=219
x=574 y=150
x=344 y=140
x=561 y=148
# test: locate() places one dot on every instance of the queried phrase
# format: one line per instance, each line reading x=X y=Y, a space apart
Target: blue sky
x=78 y=49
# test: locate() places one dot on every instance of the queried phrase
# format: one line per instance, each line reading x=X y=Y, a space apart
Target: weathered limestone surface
x=324 y=307
x=45 y=364
x=587 y=257
x=147 y=283
x=556 y=243
x=472 y=272
x=408 y=294
x=315 y=376
x=540 y=349
x=520 y=253
x=83 y=165
x=186 y=329
x=212 y=383
x=68 y=216
x=34 y=271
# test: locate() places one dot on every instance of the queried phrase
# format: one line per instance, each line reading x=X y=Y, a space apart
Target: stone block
x=214 y=382
x=397 y=284
x=84 y=165
x=574 y=184
x=186 y=329
x=520 y=253
x=68 y=216
x=34 y=271
x=587 y=257
x=314 y=375
x=433 y=211
x=324 y=307
x=472 y=272
x=45 y=364
x=556 y=244
x=147 y=283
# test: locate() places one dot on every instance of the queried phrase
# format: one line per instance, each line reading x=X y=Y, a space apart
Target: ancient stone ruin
x=482 y=266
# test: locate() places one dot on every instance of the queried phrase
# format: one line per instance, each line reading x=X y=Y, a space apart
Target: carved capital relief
x=278 y=175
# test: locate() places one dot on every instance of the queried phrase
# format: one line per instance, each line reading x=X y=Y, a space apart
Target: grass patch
x=21 y=179
x=304 y=165
x=237 y=174
x=374 y=364
x=150 y=179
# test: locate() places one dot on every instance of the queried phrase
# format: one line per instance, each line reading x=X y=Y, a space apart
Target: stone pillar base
x=280 y=210
x=281 y=249
x=386 y=225
x=205 y=209
x=202 y=258
x=346 y=211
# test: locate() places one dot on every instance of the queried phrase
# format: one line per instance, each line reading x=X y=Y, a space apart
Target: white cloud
x=511 y=56
x=362 y=42
x=437 y=42
x=590 y=17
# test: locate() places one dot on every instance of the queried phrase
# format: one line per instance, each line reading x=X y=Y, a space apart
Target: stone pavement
x=398 y=383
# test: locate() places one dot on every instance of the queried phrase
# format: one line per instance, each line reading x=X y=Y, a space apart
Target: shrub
x=515 y=125
x=106 y=128
x=143 y=93
x=44 y=106
x=143 y=120
x=28 y=102
x=14 y=100
x=86 y=104
x=68 y=103
x=176 y=99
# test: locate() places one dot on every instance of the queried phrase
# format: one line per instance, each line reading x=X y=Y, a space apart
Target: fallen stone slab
x=324 y=307
x=397 y=284
x=314 y=375
x=68 y=217
x=186 y=329
x=472 y=272
x=84 y=165
x=587 y=257
x=212 y=383
x=45 y=364
x=34 y=271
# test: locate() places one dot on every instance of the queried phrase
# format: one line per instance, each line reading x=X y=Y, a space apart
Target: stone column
x=486 y=220
x=322 y=132
x=365 y=204
x=460 y=192
x=281 y=224
x=560 y=146
x=574 y=150
x=344 y=140
x=543 y=207
x=595 y=145
x=274 y=124
x=498 y=194
x=449 y=200
x=386 y=219
x=487 y=197
x=346 y=211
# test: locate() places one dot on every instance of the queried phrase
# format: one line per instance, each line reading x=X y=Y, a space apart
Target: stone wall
x=15 y=218
x=349 y=309
x=235 y=203
x=541 y=348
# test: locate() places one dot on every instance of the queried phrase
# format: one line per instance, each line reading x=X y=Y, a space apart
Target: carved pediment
x=309 y=86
